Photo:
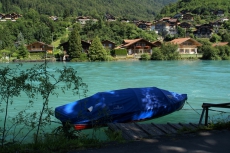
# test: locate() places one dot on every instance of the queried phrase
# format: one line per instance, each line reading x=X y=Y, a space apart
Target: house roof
x=108 y=41
x=220 y=44
x=181 y=40
x=128 y=42
x=39 y=42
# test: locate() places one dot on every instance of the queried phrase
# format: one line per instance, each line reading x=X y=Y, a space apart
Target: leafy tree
x=226 y=37
x=157 y=54
x=97 y=51
x=75 y=47
x=170 y=51
x=215 y=38
x=37 y=83
x=210 y=53
x=181 y=32
x=22 y=52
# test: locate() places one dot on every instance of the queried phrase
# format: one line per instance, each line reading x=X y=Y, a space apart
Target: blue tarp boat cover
x=125 y=105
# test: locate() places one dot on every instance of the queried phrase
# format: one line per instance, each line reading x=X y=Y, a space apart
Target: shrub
x=145 y=57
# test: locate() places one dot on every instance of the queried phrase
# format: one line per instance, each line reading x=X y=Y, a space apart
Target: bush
x=145 y=57
x=120 y=52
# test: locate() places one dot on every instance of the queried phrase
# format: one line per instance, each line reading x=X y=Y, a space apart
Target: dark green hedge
x=120 y=52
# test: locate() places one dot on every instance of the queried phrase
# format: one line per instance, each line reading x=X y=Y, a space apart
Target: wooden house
x=187 y=17
x=203 y=31
x=85 y=46
x=83 y=19
x=108 y=44
x=38 y=46
x=186 y=45
x=137 y=46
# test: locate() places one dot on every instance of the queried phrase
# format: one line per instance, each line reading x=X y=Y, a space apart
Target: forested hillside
x=131 y=9
x=203 y=8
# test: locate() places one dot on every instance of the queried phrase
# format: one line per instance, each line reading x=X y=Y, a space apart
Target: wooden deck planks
x=151 y=130
x=135 y=131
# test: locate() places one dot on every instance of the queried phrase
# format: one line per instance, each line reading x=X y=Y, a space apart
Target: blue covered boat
x=120 y=106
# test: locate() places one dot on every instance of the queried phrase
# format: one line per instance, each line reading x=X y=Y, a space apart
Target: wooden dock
x=137 y=131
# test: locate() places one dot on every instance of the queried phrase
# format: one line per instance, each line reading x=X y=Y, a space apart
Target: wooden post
x=201 y=117
x=206 y=116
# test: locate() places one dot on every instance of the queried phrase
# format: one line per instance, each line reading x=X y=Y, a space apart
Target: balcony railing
x=188 y=46
x=142 y=47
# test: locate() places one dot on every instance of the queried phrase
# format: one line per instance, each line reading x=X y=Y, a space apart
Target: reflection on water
x=202 y=81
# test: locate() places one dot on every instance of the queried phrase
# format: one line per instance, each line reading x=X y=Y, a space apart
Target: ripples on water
x=202 y=81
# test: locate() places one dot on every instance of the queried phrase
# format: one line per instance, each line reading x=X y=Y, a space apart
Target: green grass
x=57 y=42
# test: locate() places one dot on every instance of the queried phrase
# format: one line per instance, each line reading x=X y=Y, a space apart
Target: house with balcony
x=162 y=27
x=85 y=46
x=187 y=17
x=108 y=44
x=39 y=47
x=203 y=31
x=185 y=25
x=166 y=26
x=157 y=43
x=186 y=45
x=136 y=47
x=144 y=25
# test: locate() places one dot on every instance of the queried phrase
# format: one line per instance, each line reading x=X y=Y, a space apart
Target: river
x=202 y=81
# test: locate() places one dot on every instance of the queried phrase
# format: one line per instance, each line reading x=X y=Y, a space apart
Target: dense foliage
x=75 y=47
x=97 y=51
x=167 y=51
x=203 y=8
x=131 y=9
x=115 y=31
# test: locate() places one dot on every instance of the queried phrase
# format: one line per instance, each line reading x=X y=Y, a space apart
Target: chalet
x=186 y=45
x=8 y=16
x=178 y=16
x=165 y=19
x=219 y=12
x=184 y=11
x=216 y=24
x=12 y=16
x=108 y=44
x=203 y=31
x=187 y=17
x=54 y=18
x=82 y=20
x=125 y=20
x=224 y=19
x=38 y=46
x=144 y=25
x=2 y=16
x=157 y=43
x=137 y=46
x=85 y=46
x=185 y=25
x=166 y=26
x=161 y=26
x=109 y=17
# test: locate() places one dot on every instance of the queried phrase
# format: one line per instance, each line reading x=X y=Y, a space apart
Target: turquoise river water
x=202 y=81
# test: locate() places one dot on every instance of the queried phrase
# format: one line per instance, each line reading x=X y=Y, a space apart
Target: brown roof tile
x=220 y=44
